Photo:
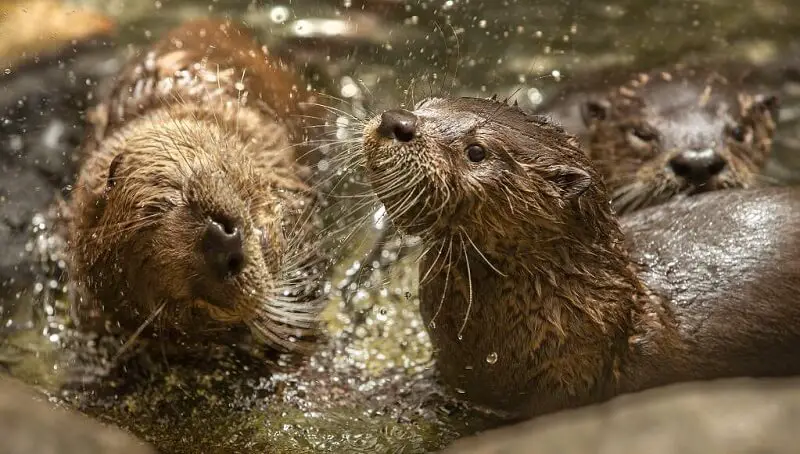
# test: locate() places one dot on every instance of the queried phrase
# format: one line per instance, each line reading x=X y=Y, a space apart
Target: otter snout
x=223 y=248
x=398 y=124
x=697 y=166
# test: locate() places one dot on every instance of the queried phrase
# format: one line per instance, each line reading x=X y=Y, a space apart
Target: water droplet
x=432 y=324
x=491 y=358
x=279 y=14
x=7 y=71
x=460 y=391
x=460 y=337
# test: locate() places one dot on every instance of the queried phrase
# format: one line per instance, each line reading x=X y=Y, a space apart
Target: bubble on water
x=535 y=96
x=279 y=14
x=349 y=88
x=37 y=219
x=491 y=358
x=303 y=27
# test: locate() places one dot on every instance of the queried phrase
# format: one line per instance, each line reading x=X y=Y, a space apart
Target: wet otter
x=538 y=299
x=193 y=209
x=668 y=133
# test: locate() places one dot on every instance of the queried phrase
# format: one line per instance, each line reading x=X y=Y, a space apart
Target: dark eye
x=476 y=153
x=738 y=133
x=645 y=134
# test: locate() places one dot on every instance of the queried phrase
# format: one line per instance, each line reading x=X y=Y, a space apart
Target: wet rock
x=30 y=425
x=31 y=27
x=43 y=101
x=724 y=417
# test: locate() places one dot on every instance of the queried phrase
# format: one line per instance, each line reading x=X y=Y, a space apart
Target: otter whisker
x=138 y=332
x=448 y=266
x=469 y=281
x=481 y=254
x=335 y=110
x=435 y=261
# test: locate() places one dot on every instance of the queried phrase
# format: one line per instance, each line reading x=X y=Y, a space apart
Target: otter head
x=481 y=168
x=174 y=216
x=661 y=136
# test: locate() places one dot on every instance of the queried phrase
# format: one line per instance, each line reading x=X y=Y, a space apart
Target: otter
x=537 y=298
x=674 y=132
x=194 y=214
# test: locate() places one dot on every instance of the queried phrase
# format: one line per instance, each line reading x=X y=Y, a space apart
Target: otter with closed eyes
x=194 y=215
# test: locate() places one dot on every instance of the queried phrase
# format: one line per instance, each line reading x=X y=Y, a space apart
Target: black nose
x=398 y=124
x=697 y=166
x=223 y=248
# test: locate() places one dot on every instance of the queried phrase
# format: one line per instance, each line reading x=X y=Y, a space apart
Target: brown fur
x=528 y=289
x=200 y=125
x=639 y=126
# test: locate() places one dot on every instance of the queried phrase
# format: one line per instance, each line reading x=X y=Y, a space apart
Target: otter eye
x=476 y=153
x=738 y=134
x=647 y=135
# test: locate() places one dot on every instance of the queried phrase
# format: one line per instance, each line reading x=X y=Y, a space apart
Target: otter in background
x=664 y=134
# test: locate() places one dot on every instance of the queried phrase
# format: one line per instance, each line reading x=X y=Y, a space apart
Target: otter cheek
x=217 y=313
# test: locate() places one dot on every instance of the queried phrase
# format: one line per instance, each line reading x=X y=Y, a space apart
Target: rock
x=31 y=27
x=43 y=101
x=30 y=425
x=734 y=416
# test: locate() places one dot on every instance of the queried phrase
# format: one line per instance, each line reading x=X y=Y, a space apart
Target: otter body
x=537 y=299
x=193 y=211
x=672 y=133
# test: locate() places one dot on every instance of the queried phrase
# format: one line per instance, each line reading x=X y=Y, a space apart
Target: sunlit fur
x=680 y=110
x=180 y=142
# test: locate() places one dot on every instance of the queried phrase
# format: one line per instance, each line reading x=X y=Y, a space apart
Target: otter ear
x=768 y=103
x=112 y=171
x=571 y=180
x=594 y=110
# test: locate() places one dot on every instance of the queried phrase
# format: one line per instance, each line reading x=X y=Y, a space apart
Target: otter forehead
x=456 y=116
x=686 y=114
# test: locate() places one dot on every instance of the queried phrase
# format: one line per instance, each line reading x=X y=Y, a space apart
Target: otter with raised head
x=193 y=211
x=671 y=133
x=537 y=298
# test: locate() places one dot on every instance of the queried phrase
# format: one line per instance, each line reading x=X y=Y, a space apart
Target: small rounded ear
x=768 y=103
x=112 y=171
x=572 y=181
x=594 y=110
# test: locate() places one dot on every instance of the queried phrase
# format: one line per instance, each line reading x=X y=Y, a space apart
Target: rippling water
x=370 y=389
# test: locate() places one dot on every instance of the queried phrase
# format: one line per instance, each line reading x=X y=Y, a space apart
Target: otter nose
x=697 y=166
x=398 y=124
x=223 y=248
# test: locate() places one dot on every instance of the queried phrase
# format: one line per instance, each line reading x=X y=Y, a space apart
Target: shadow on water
x=370 y=389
